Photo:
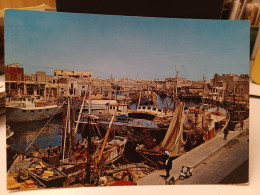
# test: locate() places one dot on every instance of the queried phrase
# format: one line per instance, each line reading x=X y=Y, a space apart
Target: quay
x=215 y=154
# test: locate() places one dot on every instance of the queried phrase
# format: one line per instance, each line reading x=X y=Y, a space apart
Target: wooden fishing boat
x=45 y=175
x=113 y=150
x=188 y=129
x=202 y=125
x=173 y=140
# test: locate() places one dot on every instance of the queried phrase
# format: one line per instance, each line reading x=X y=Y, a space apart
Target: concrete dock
x=223 y=157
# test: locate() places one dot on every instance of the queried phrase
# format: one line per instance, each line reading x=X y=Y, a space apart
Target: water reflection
x=25 y=133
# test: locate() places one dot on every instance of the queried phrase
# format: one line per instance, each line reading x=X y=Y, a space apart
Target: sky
x=125 y=46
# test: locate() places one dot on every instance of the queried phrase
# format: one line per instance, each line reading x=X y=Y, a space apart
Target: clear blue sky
x=133 y=47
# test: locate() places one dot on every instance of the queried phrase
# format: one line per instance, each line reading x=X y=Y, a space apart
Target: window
x=7 y=76
x=143 y=107
x=159 y=110
x=154 y=109
x=149 y=108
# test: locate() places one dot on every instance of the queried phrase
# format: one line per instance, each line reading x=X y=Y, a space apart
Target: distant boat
x=27 y=108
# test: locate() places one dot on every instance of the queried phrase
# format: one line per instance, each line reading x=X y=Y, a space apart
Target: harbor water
x=25 y=133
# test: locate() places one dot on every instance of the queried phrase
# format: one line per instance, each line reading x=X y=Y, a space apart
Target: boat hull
x=53 y=182
x=14 y=114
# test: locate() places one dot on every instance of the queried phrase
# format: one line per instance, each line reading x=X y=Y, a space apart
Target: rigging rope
x=143 y=155
x=44 y=126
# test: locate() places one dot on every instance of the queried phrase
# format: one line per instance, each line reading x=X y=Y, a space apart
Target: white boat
x=150 y=112
x=26 y=109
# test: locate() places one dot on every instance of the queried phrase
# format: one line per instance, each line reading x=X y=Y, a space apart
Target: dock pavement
x=196 y=156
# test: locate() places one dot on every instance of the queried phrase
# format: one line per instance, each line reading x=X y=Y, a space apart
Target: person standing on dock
x=241 y=125
x=167 y=164
x=226 y=133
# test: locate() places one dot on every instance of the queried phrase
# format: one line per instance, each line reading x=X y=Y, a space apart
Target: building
x=72 y=74
x=14 y=80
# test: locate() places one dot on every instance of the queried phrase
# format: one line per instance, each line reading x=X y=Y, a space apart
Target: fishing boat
x=189 y=128
x=173 y=139
x=144 y=117
x=87 y=157
x=45 y=176
x=27 y=108
x=79 y=159
x=129 y=124
x=159 y=115
x=202 y=125
x=115 y=149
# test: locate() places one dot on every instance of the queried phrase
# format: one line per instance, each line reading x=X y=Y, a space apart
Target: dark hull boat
x=47 y=176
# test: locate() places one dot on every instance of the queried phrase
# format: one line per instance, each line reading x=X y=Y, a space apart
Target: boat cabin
x=21 y=102
x=152 y=109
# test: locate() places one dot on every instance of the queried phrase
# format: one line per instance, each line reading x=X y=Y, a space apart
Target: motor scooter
x=186 y=172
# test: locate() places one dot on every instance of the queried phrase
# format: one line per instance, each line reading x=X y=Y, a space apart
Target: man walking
x=167 y=164
x=241 y=125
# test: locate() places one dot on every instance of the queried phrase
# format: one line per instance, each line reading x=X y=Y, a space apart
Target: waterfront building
x=72 y=74
x=14 y=77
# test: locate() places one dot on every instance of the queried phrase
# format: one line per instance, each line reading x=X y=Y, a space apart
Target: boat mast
x=80 y=112
x=139 y=101
x=89 y=98
x=65 y=133
x=88 y=165
x=68 y=139
x=105 y=139
x=203 y=92
x=175 y=92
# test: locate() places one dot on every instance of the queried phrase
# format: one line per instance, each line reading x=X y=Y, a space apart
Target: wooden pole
x=105 y=139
